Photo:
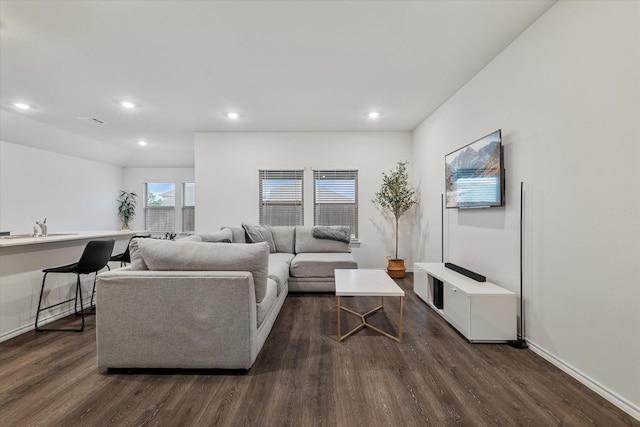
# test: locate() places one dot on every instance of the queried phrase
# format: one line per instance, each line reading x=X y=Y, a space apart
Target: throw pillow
x=260 y=233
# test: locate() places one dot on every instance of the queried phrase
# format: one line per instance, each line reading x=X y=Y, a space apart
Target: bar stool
x=125 y=257
x=94 y=258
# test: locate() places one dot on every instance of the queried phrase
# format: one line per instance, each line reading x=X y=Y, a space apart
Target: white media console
x=480 y=311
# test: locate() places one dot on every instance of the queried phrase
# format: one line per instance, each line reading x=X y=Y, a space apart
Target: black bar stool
x=125 y=257
x=94 y=258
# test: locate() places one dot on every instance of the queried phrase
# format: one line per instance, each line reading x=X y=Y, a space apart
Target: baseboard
x=603 y=391
x=30 y=327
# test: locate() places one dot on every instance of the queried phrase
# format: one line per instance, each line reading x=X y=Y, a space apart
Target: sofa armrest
x=175 y=319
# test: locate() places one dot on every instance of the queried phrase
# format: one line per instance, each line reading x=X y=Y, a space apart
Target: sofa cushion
x=224 y=236
x=191 y=238
x=167 y=255
x=320 y=264
x=137 y=262
x=279 y=271
x=281 y=257
x=260 y=233
x=305 y=242
x=237 y=234
x=284 y=238
x=312 y=284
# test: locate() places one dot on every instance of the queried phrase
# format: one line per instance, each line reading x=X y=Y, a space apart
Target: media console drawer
x=480 y=311
x=457 y=309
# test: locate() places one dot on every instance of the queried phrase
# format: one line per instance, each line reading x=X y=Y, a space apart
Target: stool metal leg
x=75 y=306
x=94 y=287
x=40 y=301
x=79 y=287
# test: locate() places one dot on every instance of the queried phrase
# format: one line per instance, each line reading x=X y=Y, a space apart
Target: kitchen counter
x=22 y=260
x=12 y=241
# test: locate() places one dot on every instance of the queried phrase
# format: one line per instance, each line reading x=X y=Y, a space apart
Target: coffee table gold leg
x=338 y=311
x=364 y=323
x=400 y=333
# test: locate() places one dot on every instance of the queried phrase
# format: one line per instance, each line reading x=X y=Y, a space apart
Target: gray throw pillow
x=260 y=233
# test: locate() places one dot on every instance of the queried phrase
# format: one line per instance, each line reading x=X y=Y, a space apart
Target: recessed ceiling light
x=373 y=114
x=232 y=115
x=142 y=143
x=22 y=105
x=127 y=104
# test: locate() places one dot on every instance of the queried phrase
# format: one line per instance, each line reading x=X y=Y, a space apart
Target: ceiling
x=283 y=65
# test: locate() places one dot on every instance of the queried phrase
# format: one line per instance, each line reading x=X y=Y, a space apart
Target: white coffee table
x=363 y=282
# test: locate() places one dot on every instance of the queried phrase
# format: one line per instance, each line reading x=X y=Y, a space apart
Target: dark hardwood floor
x=304 y=377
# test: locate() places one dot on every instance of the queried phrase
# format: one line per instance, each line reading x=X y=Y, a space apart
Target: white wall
x=135 y=179
x=227 y=167
x=567 y=97
x=73 y=194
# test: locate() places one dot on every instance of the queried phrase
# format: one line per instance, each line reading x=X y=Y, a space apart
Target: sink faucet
x=43 y=228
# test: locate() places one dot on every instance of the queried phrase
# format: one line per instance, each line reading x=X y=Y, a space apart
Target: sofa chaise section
x=187 y=304
x=311 y=260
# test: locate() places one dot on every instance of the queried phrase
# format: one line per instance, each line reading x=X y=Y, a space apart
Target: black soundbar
x=475 y=276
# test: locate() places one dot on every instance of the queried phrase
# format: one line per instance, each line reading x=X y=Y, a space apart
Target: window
x=335 y=195
x=281 y=199
x=188 y=206
x=159 y=208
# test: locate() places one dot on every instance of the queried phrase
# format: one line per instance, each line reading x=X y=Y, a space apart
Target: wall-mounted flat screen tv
x=474 y=174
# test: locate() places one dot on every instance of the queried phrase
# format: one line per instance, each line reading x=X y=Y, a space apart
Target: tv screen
x=474 y=174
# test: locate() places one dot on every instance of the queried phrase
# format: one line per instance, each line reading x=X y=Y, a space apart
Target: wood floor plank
x=305 y=377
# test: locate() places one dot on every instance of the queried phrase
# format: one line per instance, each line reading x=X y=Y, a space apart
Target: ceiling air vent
x=91 y=120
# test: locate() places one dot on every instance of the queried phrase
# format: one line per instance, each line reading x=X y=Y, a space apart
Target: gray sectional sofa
x=203 y=303
x=310 y=260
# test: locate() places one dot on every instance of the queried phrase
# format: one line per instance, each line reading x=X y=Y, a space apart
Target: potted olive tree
x=397 y=197
x=126 y=208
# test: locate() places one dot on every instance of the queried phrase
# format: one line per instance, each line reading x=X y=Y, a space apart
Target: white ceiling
x=284 y=65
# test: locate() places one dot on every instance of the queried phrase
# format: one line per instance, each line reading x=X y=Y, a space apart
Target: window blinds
x=159 y=211
x=188 y=206
x=281 y=197
x=335 y=194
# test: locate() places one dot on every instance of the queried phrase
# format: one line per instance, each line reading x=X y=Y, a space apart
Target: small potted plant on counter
x=397 y=197
x=126 y=208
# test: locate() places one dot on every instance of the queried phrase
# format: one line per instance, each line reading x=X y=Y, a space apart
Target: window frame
x=148 y=209
x=338 y=174
x=264 y=204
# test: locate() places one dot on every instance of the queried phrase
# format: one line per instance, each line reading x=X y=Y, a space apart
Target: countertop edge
x=79 y=235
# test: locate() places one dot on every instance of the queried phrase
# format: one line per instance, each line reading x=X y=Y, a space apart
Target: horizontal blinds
x=188 y=206
x=159 y=211
x=160 y=219
x=335 y=194
x=281 y=197
x=189 y=194
x=188 y=218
